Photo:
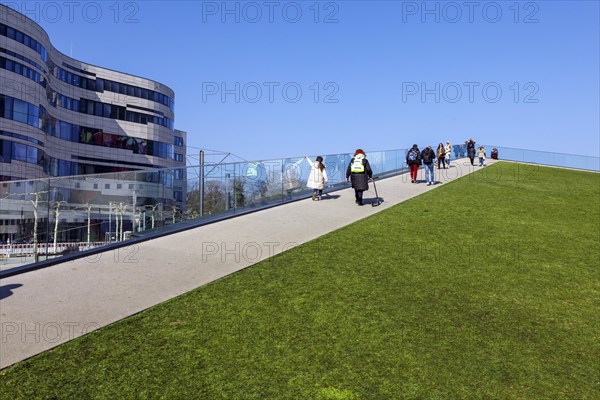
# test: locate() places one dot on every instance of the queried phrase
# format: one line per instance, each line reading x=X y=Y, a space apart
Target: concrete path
x=42 y=309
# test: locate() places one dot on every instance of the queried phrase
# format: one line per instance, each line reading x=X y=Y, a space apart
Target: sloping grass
x=486 y=287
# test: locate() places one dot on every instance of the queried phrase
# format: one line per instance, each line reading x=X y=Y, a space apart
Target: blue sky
x=377 y=75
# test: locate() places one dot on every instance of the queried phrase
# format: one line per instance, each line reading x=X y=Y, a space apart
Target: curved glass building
x=61 y=117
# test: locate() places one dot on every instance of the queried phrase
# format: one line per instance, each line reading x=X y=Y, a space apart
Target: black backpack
x=428 y=155
x=413 y=155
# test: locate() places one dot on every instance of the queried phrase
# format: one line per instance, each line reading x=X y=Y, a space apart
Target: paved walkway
x=42 y=309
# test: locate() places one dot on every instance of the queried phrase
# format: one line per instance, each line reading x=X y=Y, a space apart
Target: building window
x=177 y=195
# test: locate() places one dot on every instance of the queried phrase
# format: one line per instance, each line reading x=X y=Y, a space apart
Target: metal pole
x=89 y=223
x=234 y=191
x=109 y=221
x=47 y=219
x=134 y=225
x=228 y=196
x=201 y=184
x=21 y=225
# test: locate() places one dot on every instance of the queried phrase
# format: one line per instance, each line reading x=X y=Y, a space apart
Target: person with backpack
x=441 y=156
x=448 y=149
x=413 y=160
x=428 y=157
x=359 y=172
x=317 y=179
x=471 y=150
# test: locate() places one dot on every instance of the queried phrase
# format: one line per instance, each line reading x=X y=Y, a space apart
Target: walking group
x=359 y=171
x=428 y=158
x=441 y=157
x=480 y=153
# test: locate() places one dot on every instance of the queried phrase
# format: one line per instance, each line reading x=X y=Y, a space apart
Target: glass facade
x=97 y=84
x=104 y=110
x=43 y=102
x=20 y=57
x=20 y=69
x=13 y=151
x=22 y=38
x=21 y=111
x=102 y=85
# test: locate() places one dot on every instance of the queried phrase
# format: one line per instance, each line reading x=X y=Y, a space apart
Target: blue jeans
x=429 y=176
x=480 y=161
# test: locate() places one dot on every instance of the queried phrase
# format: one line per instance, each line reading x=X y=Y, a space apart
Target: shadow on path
x=7 y=290
x=327 y=196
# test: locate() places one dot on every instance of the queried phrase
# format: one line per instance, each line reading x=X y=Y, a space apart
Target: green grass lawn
x=485 y=288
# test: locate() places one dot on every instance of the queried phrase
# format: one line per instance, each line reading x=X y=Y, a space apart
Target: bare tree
x=89 y=211
x=153 y=208
x=35 y=204
x=56 y=215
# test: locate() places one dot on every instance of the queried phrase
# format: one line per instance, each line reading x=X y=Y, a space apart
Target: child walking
x=317 y=178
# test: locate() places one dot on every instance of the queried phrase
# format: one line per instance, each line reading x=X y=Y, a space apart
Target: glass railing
x=47 y=218
x=546 y=158
x=44 y=219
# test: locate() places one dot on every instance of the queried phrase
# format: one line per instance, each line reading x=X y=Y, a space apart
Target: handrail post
x=201 y=184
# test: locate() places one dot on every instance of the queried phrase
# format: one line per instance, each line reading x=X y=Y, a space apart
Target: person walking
x=494 y=154
x=359 y=172
x=441 y=156
x=317 y=179
x=448 y=149
x=481 y=155
x=471 y=150
x=413 y=160
x=428 y=157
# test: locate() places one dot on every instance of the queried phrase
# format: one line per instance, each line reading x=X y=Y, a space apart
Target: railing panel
x=101 y=209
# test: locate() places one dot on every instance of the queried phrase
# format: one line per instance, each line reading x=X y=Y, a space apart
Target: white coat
x=317 y=179
x=448 y=149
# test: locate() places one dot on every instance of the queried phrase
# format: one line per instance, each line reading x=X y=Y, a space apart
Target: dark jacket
x=471 y=148
x=428 y=155
x=418 y=160
x=360 y=181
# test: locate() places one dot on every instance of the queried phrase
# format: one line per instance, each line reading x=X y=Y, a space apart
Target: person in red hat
x=359 y=172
